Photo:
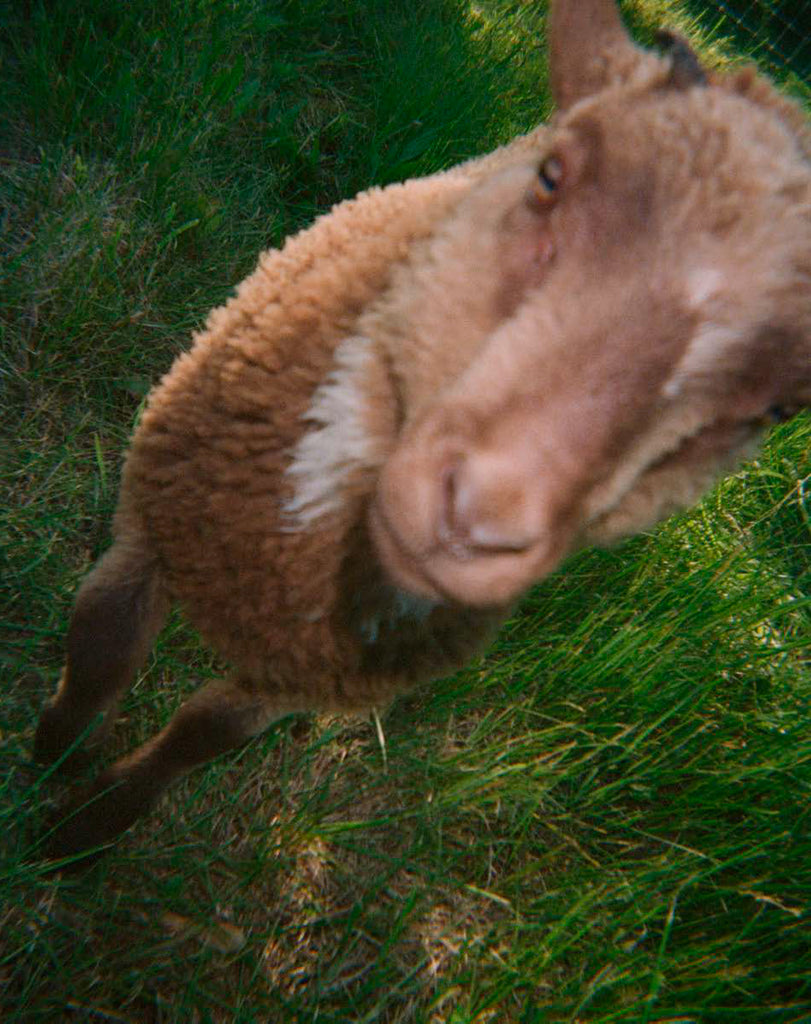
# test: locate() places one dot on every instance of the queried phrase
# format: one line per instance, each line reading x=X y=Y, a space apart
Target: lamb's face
x=629 y=312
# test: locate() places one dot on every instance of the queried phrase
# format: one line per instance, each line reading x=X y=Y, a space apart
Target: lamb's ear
x=685 y=67
x=589 y=49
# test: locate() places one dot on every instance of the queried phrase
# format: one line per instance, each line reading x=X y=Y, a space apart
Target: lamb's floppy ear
x=685 y=67
x=589 y=49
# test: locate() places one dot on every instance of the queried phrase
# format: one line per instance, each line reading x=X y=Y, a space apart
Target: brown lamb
x=422 y=403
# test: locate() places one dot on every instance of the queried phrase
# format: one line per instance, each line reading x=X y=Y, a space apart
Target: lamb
x=421 y=404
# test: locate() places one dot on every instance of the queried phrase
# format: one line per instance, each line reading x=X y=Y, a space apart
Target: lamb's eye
x=550 y=176
x=779 y=413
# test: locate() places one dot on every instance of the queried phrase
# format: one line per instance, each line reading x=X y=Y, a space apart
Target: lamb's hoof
x=81 y=831
x=57 y=742
x=68 y=844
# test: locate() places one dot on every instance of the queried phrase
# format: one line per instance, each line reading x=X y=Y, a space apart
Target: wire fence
x=776 y=33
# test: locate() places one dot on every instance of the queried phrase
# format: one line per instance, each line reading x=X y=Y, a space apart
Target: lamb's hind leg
x=219 y=717
x=118 y=612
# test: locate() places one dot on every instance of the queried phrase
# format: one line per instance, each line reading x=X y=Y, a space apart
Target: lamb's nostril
x=452 y=528
x=486 y=509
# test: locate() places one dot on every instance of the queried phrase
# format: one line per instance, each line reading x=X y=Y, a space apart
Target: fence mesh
x=777 y=33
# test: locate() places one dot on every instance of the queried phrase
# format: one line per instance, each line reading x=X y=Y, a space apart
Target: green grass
x=608 y=818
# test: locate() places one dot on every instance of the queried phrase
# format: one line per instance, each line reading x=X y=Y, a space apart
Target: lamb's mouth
x=447 y=573
x=713 y=444
x=457 y=574
x=714 y=448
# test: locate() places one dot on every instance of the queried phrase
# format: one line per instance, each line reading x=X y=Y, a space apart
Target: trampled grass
x=605 y=819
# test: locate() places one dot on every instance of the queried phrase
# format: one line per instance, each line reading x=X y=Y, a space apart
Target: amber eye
x=550 y=176
x=779 y=413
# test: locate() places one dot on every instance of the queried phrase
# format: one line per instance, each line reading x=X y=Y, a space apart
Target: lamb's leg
x=119 y=611
x=220 y=716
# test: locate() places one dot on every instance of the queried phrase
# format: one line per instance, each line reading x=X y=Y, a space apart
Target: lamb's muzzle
x=472 y=520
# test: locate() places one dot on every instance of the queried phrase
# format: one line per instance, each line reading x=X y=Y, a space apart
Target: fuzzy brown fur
x=419 y=405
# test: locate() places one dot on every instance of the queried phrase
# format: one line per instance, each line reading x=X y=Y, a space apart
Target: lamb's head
x=602 y=327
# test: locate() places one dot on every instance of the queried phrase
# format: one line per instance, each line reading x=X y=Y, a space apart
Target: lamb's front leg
x=219 y=717
x=118 y=612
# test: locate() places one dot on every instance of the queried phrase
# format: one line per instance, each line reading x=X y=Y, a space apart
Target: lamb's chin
x=399 y=565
